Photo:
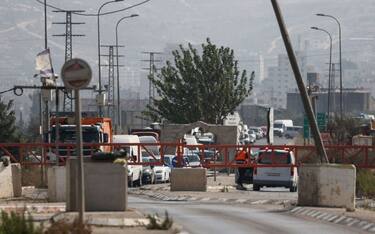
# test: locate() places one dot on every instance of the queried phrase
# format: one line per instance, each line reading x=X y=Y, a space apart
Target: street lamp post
x=118 y=72
x=338 y=23
x=99 y=64
x=330 y=69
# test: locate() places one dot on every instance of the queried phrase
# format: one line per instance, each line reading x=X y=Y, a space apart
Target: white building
x=280 y=80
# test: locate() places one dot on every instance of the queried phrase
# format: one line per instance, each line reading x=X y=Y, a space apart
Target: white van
x=283 y=174
x=280 y=125
x=134 y=171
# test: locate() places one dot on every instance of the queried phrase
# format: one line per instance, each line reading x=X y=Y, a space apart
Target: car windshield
x=278 y=125
x=68 y=134
x=275 y=157
x=193 y=158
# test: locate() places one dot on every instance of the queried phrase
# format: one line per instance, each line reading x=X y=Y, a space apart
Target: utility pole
x=302 y=89
x=110 y=87
x=68 y=95
x=152 y=69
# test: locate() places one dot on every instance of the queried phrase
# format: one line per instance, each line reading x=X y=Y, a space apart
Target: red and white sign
x=76 y=73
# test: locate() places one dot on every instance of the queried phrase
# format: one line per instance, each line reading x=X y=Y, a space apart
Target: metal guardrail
x=211 y=156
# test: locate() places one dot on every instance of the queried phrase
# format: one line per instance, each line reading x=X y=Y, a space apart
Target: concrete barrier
x=189 y=179
x=10 y=180
x=56 y=177
x=331 y=185
x=6 y=184
x=106 y=186
x=16 y=179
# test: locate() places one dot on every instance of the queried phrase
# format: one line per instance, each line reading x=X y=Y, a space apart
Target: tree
x=204 y=86
x=9 y=131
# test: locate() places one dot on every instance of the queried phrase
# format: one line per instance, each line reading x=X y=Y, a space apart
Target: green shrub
x=365 y=183
x=157 y=224
x=17 y=223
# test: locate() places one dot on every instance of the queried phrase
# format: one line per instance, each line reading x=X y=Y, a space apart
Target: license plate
x=273 y=174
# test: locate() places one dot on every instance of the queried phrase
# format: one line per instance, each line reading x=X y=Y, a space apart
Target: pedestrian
x=242 y=157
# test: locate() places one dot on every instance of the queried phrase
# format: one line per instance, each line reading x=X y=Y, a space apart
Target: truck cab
x=94 y=130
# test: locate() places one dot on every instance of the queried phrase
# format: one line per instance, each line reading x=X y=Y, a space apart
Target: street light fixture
x=118 y=126
x=330 y=64
x=99 y=64
x=337 y=21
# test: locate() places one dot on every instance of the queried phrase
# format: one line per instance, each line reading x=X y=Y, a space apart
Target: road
x=277 y=141
x=197 y=217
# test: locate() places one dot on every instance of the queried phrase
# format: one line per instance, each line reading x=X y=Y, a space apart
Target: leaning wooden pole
x=301 y=86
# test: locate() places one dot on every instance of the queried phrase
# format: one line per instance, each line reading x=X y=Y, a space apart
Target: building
x=280 y=80
x=354 y=101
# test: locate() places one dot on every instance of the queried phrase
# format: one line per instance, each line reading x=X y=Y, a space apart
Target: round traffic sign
x=76 y=73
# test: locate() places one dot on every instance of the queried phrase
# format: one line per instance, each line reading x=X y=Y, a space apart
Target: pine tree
x=9 y=131
x=204 y=86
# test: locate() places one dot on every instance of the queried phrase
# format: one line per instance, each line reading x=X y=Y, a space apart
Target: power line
x=105 y=13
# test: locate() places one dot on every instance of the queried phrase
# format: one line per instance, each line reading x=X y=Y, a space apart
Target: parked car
x=252 y=136
x=258 y=132
x=276 y=176
x=134 y=171
x=162 y=173
x=192 y=160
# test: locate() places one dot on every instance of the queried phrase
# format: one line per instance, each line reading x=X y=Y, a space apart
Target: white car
x=134 y=171
x=161 y=173
x=278 y=175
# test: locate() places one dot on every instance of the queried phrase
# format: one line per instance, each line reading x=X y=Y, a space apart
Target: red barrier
x=210 y=156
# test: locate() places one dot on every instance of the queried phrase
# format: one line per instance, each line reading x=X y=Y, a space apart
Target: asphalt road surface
x=198 y=217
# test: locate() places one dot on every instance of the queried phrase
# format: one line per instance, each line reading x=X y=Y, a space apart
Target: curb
x=364 y=225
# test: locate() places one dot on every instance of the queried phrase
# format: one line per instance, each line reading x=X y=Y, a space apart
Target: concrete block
x=16 y=179
x=189 y=179
x=6 y=183
x=331 y=185
x=56 y=177
x=105 y=186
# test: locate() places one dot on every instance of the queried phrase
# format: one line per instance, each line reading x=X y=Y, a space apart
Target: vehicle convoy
x=94 y=130
x=277 y=169
x=279 y=126
x=132 y=154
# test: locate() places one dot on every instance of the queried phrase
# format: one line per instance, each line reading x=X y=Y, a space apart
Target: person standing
x=242 y=157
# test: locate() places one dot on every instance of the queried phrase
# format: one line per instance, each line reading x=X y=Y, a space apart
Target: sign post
x=76 y=74
x=270 y=126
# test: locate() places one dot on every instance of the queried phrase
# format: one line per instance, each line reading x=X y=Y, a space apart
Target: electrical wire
x=105 y=13
x=8 y=90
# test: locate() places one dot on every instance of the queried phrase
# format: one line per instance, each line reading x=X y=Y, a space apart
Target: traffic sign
x=321 y=119
x=76 y=73
x=306 y=127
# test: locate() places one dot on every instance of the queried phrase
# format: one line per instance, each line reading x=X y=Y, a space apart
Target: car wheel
x=256 y=187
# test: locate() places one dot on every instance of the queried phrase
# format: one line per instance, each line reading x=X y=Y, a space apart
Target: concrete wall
x=189 y=179
x=56 y=177
x=10 y=180
x=331 y=185
x=105 y=186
